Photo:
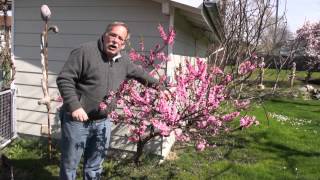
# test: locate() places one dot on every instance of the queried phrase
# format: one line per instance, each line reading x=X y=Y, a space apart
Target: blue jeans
x=90 y=139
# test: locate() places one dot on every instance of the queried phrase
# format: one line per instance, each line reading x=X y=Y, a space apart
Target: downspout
x=168 y=10
x=14 y=89
x=170 y=48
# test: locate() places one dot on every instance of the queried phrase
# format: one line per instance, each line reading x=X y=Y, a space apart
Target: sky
x=193 y=3
x=298 y=11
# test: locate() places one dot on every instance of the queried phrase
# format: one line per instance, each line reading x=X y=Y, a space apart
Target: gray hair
x=118 y=23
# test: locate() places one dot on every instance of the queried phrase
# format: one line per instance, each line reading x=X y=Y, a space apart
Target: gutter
x=210 y=14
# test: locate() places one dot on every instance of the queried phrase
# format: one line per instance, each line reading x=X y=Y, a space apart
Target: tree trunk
x=308 y=77
x=137 y=156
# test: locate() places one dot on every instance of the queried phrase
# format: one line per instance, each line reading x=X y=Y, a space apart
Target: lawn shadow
x=314 y=81
x=281 y=83
x=30 y=159
x=32 y=169
x=303 y=103
x=281 y=150
x=119 y=164
x=287 y=153
x=219 y=173
x=226 y=146
x=233 y=155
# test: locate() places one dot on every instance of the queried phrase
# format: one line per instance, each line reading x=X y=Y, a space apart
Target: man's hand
x=79 y=115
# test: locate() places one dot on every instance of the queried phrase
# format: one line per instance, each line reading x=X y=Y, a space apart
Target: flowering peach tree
x=193 y=107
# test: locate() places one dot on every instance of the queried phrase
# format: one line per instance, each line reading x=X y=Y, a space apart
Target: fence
x=7 y=122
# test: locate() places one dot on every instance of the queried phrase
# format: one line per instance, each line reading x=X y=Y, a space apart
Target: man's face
x=115 y=40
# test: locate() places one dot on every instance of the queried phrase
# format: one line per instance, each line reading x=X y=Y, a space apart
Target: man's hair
x=118 y=23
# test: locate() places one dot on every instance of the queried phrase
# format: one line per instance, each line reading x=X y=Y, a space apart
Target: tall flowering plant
x=192 y=107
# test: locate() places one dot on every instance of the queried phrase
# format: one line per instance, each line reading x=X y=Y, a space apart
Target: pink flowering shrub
x=192 y=107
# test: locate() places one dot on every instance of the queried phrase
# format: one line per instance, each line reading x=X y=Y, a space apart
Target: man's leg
x=73 y=142
x=97 y=144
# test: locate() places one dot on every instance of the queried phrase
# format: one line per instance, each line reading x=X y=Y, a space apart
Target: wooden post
x=46 y=100
x=292 y=74
x=261 y=73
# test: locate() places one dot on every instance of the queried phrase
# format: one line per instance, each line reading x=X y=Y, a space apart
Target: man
x=91 y=71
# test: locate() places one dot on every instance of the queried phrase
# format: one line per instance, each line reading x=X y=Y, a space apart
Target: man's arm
x=67 y=80
x=138 y=73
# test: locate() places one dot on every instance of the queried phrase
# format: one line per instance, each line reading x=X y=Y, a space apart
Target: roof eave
x=210 y=13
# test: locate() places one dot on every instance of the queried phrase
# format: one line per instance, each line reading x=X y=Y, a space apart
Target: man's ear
x=123 y=46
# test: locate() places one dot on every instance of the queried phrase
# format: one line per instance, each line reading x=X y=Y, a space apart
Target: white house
x=83 y=20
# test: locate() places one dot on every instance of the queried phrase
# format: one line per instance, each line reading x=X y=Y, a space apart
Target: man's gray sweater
x=88 y=75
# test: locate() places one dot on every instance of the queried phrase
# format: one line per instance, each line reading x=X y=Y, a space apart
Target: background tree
x=252 y=27
x=308 y=38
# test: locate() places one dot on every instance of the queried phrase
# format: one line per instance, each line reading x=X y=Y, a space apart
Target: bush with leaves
x=193 y=107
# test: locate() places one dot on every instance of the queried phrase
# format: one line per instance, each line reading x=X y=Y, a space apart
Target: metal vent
x=6 y=117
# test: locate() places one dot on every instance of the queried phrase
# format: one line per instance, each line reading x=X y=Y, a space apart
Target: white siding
x=190 y=43
x=79 y=21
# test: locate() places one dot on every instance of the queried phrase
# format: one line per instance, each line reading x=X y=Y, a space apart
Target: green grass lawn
x=287 y=146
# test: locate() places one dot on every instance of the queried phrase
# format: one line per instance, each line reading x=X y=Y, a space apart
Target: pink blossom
x=215 y=122
x=139 y=130
x=228 y=78
x=102 y=106
x=246 y=67
x=230 y=116
x=201 y=145
x=163 y=34
x=247 y=121
x=242 y=104
x=216 y=70
x=202 y=124
x=127 y=112
x=167 y=39
x=120 y=102
x=181 y=136
x=135 y=56
x=162 y=127
x=133 y=139
x=114 y=116
x=171 y=37
x=162 y=57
